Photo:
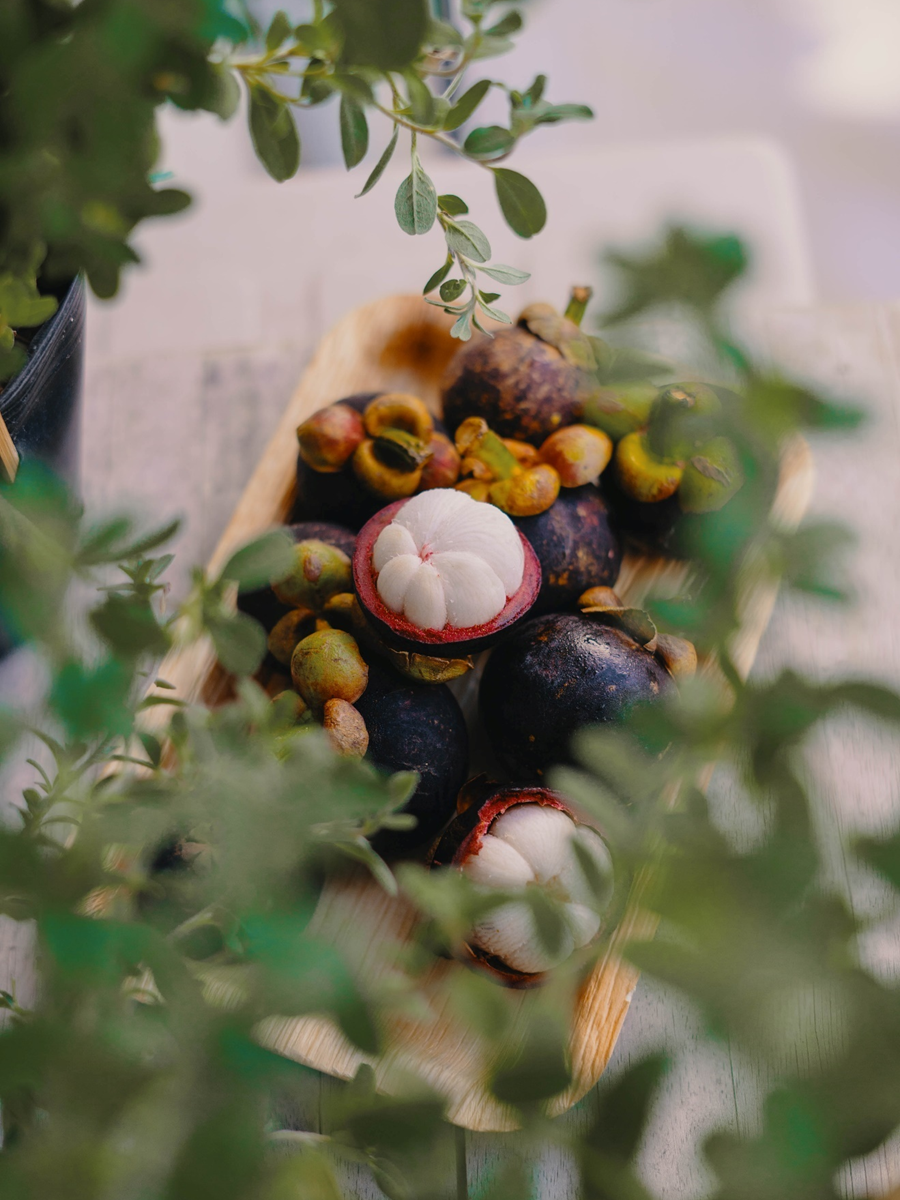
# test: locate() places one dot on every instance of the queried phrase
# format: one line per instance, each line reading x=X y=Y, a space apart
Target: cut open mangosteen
x=444 y=574
x=517 y=839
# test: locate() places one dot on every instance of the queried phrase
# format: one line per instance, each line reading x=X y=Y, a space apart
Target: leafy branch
x=315 y=56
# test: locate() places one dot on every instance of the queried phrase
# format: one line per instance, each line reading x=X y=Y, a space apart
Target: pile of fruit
x=490 y=541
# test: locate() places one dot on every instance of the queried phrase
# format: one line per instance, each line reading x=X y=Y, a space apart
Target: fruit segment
x=446 y=559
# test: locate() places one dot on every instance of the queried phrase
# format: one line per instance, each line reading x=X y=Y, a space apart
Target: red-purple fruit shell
x=397 y=631
x=463 y=838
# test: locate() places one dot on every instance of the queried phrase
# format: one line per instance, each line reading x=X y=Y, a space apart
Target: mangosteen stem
x=579 y=299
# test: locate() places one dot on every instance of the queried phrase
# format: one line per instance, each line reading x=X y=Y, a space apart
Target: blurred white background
x=819 y=77
x=778 y=119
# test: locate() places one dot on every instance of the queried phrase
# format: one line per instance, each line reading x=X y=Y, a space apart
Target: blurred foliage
x=170 y=857
x=81 y=84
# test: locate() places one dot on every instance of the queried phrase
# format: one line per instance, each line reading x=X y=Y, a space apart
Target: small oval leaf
x=520 y=202
x=464 y=237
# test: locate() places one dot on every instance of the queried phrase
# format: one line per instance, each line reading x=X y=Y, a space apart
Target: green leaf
x=452 y=205
x=464 y=237
x=227 y=95
x=467 y=103
x=129 y=626
x=490 y=141
x=354 y=131
x=536 y=91
x=416 y=202
x=274 y=134
x=439 y=276
x=511 y=23
x=520 y=202
x=488 y=297
x=152 y=746
x=240 y=642
x=259 y=562
x=554 y=113
x=421 y=101
x=386 y=34
x=462 y=327
x=452 y=289
x=313 y=40
x=533 y=1071
x=278 y=31
x=93 y=700
x=624 y=1108
x=378 y=170
x=496 y=314
x=503 y=274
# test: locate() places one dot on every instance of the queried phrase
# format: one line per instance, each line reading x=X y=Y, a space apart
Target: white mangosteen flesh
x=532 y=845
x=446 y=559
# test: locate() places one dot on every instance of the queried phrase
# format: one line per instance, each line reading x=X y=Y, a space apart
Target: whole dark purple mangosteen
x=554 y=675
x=526 y=381
x=416 y=727
x=263 y=604
x=577 y=546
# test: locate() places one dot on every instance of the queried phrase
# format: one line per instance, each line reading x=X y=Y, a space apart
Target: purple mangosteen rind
x=416 y=727
x=559 y=673
x=398 y=632
x=577 y=544
x=522 y=386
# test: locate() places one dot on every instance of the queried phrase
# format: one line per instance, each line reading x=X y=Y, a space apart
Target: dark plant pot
x=41 y=405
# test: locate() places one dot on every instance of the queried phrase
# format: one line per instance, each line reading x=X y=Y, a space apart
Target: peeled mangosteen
x=442 y=574
x=577 y=545
x=416 y=727
x=263 y=604
x=556 y=674
x=527 y=381
x=520 y=838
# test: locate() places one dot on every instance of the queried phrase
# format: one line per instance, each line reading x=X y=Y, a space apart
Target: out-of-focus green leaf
x=259 y=562
x=274 y=134
x=385 y=34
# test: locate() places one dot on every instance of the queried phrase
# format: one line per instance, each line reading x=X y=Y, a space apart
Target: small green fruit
x=641 y=474
x=711 y=477
x=327 y=665
x=682 y=418
x=320 y=571
x=620 y=410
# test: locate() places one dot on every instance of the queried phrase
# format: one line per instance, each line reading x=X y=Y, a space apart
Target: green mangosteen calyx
x=605 y=606
x=562 y=331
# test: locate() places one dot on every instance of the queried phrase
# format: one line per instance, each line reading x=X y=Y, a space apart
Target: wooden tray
x=401 y=343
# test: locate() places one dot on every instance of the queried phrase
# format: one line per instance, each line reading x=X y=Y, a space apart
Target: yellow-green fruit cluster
x=667 y=444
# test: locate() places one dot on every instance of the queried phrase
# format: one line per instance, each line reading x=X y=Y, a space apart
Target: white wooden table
x=183 y=433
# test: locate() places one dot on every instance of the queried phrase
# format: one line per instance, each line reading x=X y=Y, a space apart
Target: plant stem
x=579 y=299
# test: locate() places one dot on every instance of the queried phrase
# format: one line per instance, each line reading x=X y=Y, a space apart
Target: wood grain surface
x=183 y=433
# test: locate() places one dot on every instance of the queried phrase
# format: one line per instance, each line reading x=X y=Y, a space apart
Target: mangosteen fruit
x=577 y=546
x=556 y=674
x=262 y=603
x=416 y=727
x=516 y=840
x=443 y=574
x=526 y=381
